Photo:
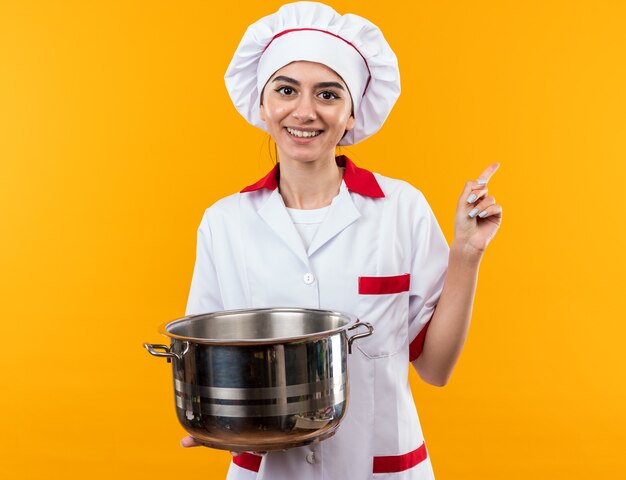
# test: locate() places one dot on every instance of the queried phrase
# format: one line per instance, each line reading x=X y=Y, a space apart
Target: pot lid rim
x=352 y=320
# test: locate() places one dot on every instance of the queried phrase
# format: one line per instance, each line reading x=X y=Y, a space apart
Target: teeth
x=298 y=133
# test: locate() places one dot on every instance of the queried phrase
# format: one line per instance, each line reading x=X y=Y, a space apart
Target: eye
x=328 y=95
x=285 y=90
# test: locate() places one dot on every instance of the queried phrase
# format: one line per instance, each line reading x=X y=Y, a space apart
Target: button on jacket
x=379 y=254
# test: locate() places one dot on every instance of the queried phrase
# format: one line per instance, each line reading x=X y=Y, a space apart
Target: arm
x=204 y=293
x=450 y=322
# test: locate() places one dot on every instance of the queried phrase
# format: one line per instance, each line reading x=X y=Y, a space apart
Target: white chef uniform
x=379 y=254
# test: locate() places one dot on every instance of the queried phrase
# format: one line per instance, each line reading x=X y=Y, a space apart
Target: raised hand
x=478 y=216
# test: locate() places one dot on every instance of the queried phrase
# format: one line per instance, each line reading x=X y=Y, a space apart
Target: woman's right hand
x=189 y=441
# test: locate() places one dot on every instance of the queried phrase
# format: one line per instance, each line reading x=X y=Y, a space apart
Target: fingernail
x=482 y=214
x=471 y=198
x=482 y=181
x=473 y=212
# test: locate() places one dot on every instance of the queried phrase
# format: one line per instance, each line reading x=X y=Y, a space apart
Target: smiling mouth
x=303 y=134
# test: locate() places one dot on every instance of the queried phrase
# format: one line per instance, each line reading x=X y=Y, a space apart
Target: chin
x=304 y=156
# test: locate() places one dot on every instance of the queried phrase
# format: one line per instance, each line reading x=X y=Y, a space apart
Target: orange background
x=116 y=132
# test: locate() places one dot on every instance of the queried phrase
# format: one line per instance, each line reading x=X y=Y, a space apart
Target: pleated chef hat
x=350 y=45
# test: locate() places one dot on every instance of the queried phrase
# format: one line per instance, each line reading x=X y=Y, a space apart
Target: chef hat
x=350 y=45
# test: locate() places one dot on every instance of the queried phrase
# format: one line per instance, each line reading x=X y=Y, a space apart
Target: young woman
x=319 y=232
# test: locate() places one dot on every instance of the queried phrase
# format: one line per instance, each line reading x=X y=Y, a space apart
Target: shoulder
x=222 y=209
x=405 y=202
x=224 y=205
x=397 y=190
x=228 y=209
x=413 y=210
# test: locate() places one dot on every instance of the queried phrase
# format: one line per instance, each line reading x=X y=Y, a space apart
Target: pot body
x=261 y=397
x=260 y=380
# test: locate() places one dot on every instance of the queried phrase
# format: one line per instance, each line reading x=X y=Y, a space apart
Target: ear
x=262 y=112
x=350 y=123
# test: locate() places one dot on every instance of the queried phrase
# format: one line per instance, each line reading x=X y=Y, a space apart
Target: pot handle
x=153 y=349
x=370 y=330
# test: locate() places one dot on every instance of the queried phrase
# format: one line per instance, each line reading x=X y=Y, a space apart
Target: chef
x=320 y=232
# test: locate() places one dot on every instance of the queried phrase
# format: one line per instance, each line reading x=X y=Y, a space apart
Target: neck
x=309 y=185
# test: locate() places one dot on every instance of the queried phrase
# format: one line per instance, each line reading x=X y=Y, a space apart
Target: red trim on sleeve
x=399 y=463
x=249 y=461
x=417 y=345
x=384 y=285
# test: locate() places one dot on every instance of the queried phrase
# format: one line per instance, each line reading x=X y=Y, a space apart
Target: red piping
x=280 y=34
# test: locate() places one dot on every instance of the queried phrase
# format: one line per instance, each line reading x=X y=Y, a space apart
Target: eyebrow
x=317 y=85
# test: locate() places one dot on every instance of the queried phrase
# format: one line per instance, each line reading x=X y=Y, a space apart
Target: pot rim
x=352 y=320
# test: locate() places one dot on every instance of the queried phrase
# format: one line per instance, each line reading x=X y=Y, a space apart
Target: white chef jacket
x=380 y=255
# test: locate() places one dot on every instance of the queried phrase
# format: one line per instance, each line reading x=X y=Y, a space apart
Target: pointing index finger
x=484 y=177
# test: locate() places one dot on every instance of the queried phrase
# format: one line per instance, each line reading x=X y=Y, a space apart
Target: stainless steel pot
x=260 y=379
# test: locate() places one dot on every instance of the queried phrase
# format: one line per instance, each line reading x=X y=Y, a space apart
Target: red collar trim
x=269 y=181
x=358 y=180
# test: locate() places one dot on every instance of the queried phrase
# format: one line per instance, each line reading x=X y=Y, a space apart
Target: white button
x=310 y=457
x=308 y=278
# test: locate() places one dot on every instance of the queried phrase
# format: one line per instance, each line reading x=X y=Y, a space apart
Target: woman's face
x=306 y=98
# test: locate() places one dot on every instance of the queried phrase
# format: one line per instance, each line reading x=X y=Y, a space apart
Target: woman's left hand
x=478 y=216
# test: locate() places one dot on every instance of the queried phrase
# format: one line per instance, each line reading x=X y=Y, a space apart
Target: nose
x=304 y=109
